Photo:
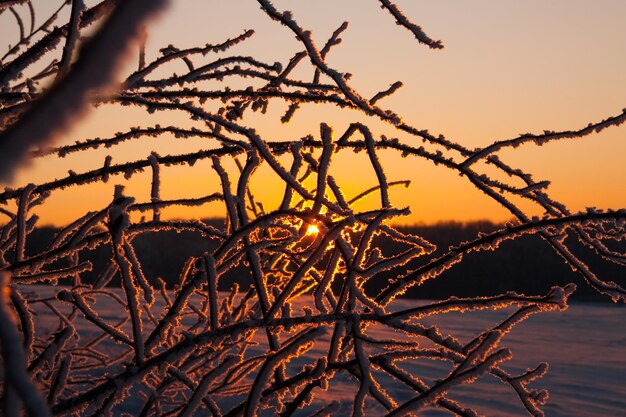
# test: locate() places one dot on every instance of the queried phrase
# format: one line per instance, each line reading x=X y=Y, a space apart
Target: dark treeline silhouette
x=522 y=265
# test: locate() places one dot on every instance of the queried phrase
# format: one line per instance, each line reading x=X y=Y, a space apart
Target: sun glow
x=312 y=230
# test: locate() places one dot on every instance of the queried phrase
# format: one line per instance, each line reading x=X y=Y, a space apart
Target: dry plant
x=194 y=350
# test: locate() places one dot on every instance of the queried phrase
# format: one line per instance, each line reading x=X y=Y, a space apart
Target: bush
x=305 y=318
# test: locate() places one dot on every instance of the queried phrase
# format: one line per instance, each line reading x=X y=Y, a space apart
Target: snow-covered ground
x=585 y=347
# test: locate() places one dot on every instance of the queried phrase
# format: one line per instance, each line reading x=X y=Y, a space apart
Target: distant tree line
x=520 y=265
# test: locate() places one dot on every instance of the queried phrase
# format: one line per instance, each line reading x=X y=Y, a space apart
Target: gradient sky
x=508 y=67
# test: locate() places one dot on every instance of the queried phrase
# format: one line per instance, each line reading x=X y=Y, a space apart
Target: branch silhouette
x=277 y=306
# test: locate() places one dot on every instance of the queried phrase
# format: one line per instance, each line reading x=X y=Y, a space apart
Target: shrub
x=305 y=320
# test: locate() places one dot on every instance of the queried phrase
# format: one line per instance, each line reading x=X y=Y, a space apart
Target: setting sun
x=312 y=230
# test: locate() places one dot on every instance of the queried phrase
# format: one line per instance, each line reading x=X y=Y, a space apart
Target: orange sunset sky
x=508 y=67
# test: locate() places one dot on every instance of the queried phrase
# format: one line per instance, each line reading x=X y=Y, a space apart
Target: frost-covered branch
x=240 y=327
x=95 y=70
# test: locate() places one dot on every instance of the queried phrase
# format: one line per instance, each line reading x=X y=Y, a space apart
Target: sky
x=508 y=67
